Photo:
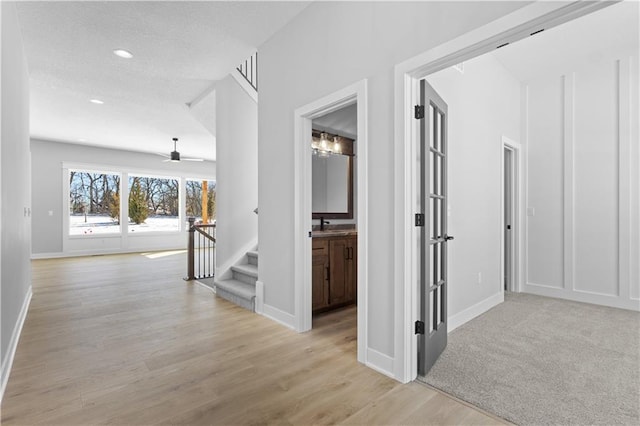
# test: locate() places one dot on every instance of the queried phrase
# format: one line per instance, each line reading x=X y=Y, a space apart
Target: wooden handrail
x=206 y=234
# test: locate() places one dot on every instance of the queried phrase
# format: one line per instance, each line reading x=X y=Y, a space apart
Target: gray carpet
x=535 y=360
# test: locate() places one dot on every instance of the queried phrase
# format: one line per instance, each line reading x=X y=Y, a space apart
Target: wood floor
x=124 y=340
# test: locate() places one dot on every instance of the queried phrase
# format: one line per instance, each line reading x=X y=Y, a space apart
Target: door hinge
x=419 y=112
x=419 y=327
x=419 y=219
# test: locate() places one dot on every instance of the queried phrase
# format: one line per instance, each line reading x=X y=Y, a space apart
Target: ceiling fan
x=174 y=157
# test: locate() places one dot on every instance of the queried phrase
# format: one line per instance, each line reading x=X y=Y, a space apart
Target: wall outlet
x=479 y=277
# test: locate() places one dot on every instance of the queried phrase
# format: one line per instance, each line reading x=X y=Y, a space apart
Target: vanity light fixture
x=325 y=146
x=123 y=53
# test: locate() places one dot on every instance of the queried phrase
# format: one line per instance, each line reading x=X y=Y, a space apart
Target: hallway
x=123 y=339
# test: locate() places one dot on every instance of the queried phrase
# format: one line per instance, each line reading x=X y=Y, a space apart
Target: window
x=94 y=202
x=195 y=200
x=153 y=204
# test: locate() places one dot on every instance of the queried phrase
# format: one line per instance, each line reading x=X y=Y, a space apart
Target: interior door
x=432 y=219
x=508 y=218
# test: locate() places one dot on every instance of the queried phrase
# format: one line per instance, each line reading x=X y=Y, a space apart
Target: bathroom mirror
x=332 y=179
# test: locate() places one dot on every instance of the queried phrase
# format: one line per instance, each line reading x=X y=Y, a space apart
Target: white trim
x=510 y=28
x=471 y=312
x=518 y=214
x=7 y=362
x=380 y=362
x=279 y=316
x=355 y=93
x=259 y=301
x=253 y=93
x=610 y=300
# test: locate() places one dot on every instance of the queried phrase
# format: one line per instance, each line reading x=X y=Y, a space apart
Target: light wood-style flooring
x=124 y=340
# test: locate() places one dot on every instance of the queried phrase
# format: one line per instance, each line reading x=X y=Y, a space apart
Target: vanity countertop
x=334 y=233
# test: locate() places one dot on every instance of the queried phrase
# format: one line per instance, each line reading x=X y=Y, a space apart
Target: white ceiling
x=343 y=122
x=180 y=49
x=609 y=31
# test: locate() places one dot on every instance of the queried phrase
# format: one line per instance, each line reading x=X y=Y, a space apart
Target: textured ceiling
x=180 y=49
x=609 y=31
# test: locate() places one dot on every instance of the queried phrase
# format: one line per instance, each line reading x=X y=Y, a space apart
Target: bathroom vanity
x=334 y=266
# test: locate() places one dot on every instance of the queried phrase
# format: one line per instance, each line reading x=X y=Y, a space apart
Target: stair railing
x=201 y=250
x=249 y=70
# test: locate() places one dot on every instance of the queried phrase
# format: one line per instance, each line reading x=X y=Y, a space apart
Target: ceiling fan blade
x=168 y=160
x=192 y=159
x=162 y=155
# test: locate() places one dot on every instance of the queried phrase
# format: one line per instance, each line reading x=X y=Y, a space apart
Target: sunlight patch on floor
x=159 y=254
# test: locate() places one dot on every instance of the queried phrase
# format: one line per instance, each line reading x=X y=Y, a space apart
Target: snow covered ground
x=103 y=224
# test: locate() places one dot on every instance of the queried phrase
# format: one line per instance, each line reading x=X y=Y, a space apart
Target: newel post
x=191 y=250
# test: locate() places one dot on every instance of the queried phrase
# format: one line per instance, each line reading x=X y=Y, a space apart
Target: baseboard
x=583 y=297
x=471 y=312
x=36 y=256
x=380 y=362
x=84 y=253
x=7 y=362
x=278 y=316
x=259 y=297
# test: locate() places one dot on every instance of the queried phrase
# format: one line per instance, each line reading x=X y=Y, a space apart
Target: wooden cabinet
x=334 y=281
x=320 y=274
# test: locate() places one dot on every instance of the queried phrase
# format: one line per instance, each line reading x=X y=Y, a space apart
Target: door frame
x=517 y=247
x=303 y=117
x=510 y=28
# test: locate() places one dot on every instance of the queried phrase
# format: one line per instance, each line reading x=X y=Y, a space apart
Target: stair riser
x=233 y=298
x=244 y=278
x=252 y=260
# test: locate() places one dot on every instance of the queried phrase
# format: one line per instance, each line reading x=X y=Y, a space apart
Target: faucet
x=323 y=222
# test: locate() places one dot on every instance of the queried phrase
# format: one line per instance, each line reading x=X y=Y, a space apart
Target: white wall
x=237 y=177
x=50 y=238
x=365 y=40
x=484 y=105
x=15 y=225
x=583 y=162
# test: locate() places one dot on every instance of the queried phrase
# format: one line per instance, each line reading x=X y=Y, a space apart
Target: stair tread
x=252 y=253
x=239 y=288
x=247 y=269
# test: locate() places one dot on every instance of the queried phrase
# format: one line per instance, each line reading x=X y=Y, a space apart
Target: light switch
x=50 y=212
x=531 y=211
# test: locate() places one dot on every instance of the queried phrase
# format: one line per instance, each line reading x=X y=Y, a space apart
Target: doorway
x=512 y=210
x=303 y=268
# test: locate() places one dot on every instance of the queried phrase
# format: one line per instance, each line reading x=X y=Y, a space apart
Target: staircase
x=241 y=287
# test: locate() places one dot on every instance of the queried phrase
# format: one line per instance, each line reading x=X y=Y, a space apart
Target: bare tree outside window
x=94 y=205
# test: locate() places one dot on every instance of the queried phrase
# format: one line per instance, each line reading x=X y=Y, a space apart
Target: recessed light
x=123 y=53
x=96 y=101
x=82 y=140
